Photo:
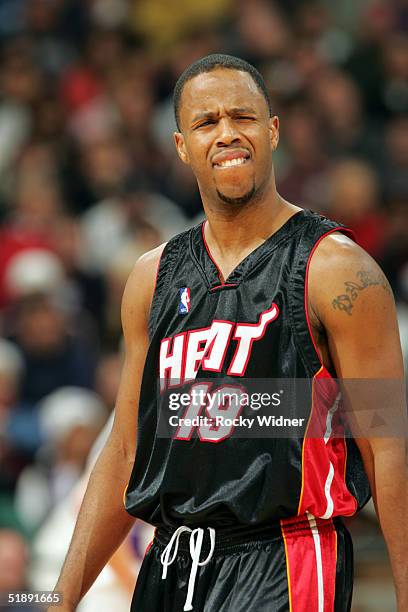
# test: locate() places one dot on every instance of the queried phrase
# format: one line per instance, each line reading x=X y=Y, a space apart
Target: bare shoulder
x=139 y=289
x=351 y=301
x=345 y=279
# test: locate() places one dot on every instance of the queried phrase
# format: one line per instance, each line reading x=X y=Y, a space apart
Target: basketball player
x=262 y=289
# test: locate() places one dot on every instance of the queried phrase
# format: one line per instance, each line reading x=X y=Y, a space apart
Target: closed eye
x=244 y=117
x=205 y=123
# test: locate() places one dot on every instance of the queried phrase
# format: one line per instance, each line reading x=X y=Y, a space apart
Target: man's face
x=227 y=136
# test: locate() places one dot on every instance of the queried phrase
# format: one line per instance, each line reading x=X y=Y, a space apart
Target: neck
x=232 y=234
x=232 y=230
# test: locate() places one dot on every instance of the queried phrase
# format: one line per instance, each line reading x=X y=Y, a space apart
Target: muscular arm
x=351 y=299
x=103 y=522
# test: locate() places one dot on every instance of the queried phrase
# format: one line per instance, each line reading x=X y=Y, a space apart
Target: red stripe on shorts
x=311 y=557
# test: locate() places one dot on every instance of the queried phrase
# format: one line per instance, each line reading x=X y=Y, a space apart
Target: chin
x=237 y=200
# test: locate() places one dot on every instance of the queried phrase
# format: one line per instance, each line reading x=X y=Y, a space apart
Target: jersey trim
x=304 y=445
x=168 y=258
x=324 y=492
x=155 y=282
x=222 y=284
x=328 y=482
x=209 y=267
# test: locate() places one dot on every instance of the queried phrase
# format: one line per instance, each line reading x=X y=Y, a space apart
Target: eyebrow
x=211 y=115
x=204 y=115
x=242 y=109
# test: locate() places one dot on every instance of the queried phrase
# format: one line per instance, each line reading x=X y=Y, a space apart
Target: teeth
x=232 y=162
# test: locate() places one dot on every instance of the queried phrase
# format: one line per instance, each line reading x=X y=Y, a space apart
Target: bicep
x=355 y=305
x=366 y=345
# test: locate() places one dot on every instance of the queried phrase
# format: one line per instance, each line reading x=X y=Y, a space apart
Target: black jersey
x=255 y=325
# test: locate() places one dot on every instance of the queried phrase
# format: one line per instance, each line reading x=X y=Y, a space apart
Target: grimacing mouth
x=230 y=159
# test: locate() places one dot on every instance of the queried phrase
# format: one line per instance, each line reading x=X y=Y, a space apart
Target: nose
x=227 y=132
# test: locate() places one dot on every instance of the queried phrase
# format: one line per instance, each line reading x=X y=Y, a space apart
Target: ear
x=181 y=147
x=274 y=131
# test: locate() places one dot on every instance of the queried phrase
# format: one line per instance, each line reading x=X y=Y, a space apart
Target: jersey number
x=211 y=414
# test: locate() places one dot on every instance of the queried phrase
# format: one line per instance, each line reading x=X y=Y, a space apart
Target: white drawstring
x=167 y=551
x=196 y=542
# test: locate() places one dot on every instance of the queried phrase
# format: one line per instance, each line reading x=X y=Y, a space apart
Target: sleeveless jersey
x=253 y=325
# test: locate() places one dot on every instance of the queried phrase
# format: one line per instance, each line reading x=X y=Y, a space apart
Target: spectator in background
x=70 y=420
x=303 y=179
x=85 y=289
x=32 y=217
x=44 y=24
x=18 y=421
x=117 y=273
x=106 y=162
x=164 y=26
x=394 y=171
x=54 y=356
x=44 y=323
x=262 y=31
x=132 y=94
x=14 y=560
x=181 y=187
x=125 y=219
x=376 y=25
x=395 y=256
x=114 y=587
x=20 y=84
x=395 y=62
x=107 y=378
x=19 y=429
x=307 y=63
x=354 y=201
x=38 y=203
x=338 y=102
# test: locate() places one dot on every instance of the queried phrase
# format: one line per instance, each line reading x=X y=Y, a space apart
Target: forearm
x=391 y=500
x=102 y=525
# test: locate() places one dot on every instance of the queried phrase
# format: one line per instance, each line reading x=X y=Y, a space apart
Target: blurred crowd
x=89 y=180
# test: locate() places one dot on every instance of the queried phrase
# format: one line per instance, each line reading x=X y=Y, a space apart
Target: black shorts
x=301 y=565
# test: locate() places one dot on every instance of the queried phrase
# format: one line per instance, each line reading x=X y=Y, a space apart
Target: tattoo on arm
x=353 y=289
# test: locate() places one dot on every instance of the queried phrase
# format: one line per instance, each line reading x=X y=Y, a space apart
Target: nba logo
x=184 y=304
